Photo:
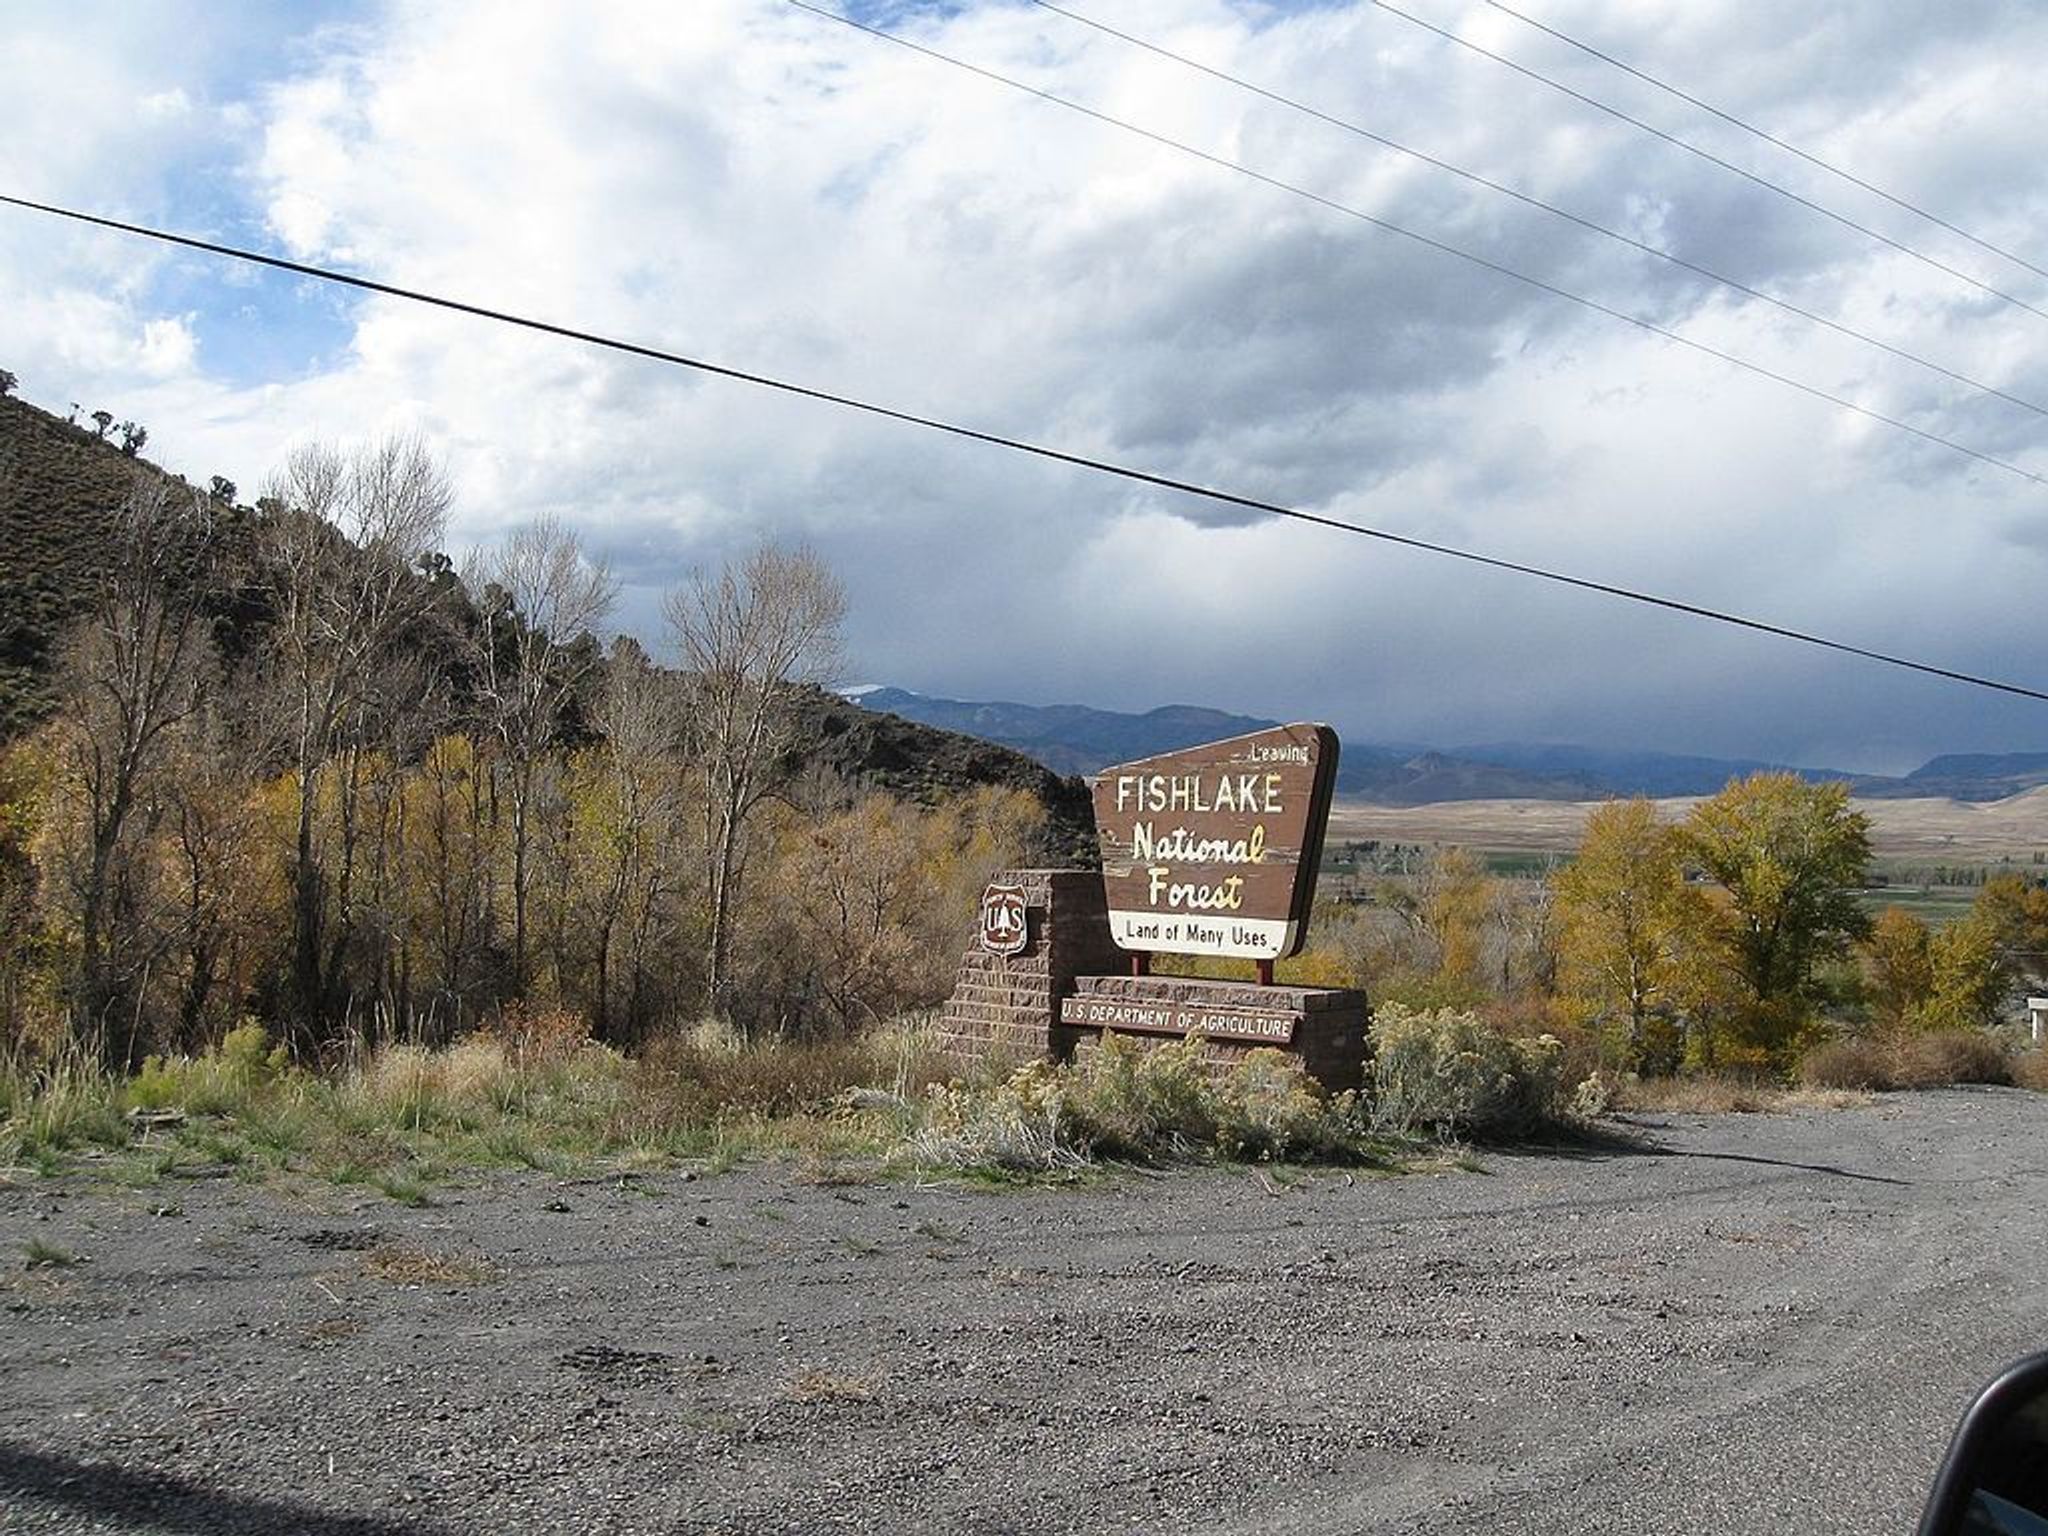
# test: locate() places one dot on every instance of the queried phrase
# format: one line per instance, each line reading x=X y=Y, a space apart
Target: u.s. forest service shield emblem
x=1003 y=928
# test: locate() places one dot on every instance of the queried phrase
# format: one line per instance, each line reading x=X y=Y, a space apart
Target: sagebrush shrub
x=1142 y=1103
x=1442 y=1071
x=1021 y=1125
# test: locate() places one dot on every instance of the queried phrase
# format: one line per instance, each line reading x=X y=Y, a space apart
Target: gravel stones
x=1743 y=1323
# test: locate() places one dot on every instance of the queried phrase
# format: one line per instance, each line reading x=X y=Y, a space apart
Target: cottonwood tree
x=133 y=672
x=25 y=773
x=341 y=541
x=219 y=879
x=1445 y=907
x=536 y=651
x=1968 y=976
x=873 y=894
x=1629 y=930
x=1899 y=964
x=1788 y=858
x=627 y=804
x=748 y=637
x=2017 y=909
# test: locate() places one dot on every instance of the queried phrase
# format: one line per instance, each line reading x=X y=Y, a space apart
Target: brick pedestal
x=1007 y=1006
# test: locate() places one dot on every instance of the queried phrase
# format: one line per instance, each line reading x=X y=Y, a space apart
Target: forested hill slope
x=59 y=484
x=886 y=752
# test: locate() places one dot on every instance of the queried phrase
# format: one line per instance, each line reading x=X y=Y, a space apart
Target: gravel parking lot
x=1742 y=1323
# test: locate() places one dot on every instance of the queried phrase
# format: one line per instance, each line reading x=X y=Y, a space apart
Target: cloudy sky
x=747 y=182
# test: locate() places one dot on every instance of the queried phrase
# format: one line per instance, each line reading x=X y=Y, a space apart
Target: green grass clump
x=39 y=1254
x=57 y=1107
x=224 y=1081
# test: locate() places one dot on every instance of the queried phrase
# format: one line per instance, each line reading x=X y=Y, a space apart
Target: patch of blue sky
x=889 y=13
x=252 y=325
x=1261 y=14
x=884 y=13
x=257 y=327
x=850 y=187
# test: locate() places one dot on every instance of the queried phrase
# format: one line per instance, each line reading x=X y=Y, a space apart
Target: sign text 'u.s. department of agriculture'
x=1212 y=850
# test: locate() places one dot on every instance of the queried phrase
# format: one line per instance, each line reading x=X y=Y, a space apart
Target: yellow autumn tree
x=1898 y=964
x=878 y=897
x=1967 y=977
x=1786 y=858
x=1629 y=936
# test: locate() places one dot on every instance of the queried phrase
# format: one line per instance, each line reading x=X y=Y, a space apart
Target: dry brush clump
x=527 y=1092
x=1905 y=1060
x=1135 y=1103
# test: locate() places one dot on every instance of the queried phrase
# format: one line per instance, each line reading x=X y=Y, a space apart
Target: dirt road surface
x=1747 y=1324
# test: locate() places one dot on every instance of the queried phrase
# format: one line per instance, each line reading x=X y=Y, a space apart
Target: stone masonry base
x=1007 y=1008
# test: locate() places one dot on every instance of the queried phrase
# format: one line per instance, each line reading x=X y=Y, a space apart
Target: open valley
x=1902 y=831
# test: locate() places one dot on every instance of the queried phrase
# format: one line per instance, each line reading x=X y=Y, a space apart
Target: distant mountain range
x=1073 y=738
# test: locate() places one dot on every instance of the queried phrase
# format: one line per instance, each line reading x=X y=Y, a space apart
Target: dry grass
x=2030 y=1070
x=405 y=1265
x=708 y=1071
x=822 y=1386
x=1882 y=1064
x=527 y=1092
x=1726 y=1096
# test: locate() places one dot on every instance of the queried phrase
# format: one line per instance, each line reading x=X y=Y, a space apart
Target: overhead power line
x=1021 y=445
x=1768 y=137
x=1713 y=159
x=1487 y=263
x=1734 y=285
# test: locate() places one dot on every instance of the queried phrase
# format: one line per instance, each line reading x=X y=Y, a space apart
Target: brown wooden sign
x=1212 y=850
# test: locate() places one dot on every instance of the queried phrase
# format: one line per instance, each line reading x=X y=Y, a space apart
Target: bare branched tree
x=342 y=543
x=634 y=871
x=135 y=670
x=542 y=600
x=747 y=637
